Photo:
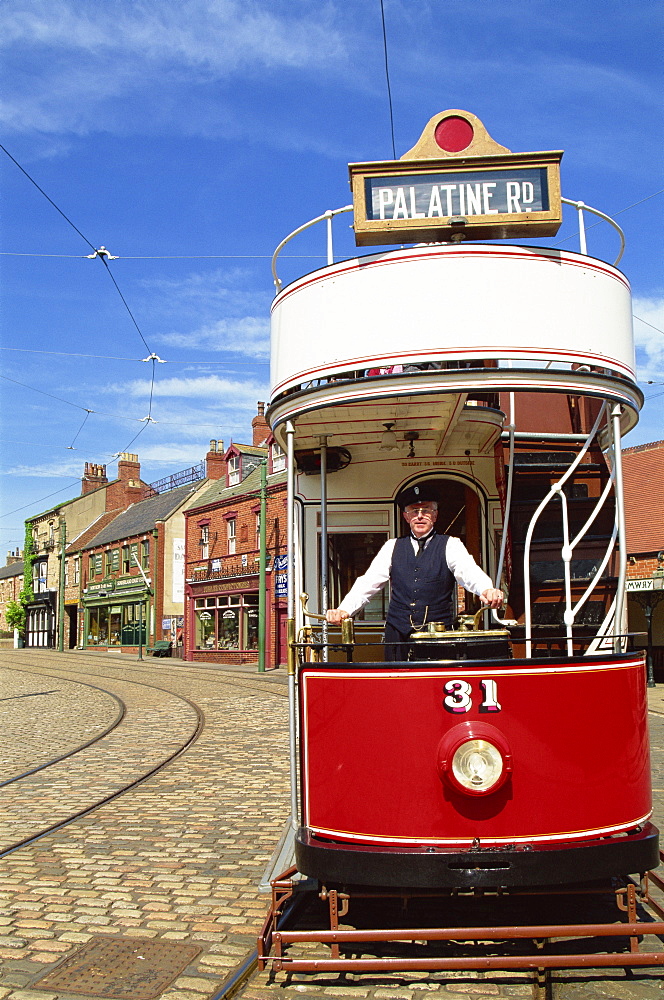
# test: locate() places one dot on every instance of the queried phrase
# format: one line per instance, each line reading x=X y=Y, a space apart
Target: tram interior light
x=388 y=441
x=411 y=436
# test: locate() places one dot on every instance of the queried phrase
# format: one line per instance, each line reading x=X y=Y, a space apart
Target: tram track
x=124 y=786
x=115 y=675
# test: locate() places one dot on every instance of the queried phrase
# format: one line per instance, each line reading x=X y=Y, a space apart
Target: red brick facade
x=222 y=551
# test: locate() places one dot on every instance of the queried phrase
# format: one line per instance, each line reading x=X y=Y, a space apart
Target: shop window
x=115 y=625
x=145 y=553
x=250 y=621
x=205 y=629
x=234 y=470
x=227 y=622
x=229 y=625
x=230 y=530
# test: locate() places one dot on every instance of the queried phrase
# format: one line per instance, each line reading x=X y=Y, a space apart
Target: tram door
x=459 y=514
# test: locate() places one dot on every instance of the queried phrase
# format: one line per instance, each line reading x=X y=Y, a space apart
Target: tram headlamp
x=474 y=758
x=477 y=765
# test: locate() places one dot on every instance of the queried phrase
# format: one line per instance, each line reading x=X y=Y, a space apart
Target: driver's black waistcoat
x=421 y=585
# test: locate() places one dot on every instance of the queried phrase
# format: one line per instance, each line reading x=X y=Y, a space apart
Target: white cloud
x=249 y=336
x=221 y=391
x=89 y=61
x=649 y=339
x=67 y=467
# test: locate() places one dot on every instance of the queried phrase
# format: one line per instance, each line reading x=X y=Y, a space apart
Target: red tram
x=511 y=750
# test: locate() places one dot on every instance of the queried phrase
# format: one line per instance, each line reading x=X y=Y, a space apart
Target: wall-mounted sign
x=474 y=191
x=634 y=585
x=280 y=568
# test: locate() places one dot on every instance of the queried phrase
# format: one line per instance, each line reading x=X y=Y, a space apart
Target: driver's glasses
x=420 y=511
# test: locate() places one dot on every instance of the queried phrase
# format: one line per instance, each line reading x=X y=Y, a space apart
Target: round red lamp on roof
x=453 y=134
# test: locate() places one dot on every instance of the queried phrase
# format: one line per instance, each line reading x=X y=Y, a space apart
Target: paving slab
x=180 y=856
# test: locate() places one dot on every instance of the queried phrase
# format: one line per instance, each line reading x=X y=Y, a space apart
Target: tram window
x=349 y=556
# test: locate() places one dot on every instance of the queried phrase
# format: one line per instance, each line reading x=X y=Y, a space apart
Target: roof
x=82 y=539
x=248 y=449
x=142 y=516
x=643 y=475
x=14 y=569
x=217 y=492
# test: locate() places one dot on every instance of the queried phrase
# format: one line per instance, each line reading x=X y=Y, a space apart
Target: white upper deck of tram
x=493 y=317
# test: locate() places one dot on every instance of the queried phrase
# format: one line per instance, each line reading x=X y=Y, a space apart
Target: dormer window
x=233 y=470
x=278 y=458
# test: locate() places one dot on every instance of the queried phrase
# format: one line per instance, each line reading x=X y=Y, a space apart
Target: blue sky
x=190 y=136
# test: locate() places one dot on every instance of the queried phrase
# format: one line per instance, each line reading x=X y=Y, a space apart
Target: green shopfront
x=117 y=613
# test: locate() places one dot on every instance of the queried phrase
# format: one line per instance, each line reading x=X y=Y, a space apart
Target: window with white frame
x=258 y=529
x=204 y=541
x=230 y=531
x=77 y=570
x=234 y=470
x=278 y=458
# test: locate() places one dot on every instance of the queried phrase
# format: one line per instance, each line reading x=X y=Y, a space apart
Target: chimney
x=259 y=426
x=129 y=469
x=93 y=477
x=215 y=467
x=14 y=557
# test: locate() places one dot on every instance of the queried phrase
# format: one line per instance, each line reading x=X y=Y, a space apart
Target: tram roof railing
x=327 y=217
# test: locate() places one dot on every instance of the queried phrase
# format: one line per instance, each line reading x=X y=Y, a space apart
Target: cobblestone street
x=177 y=858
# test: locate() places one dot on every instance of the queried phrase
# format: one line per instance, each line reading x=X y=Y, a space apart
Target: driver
x=421 y=568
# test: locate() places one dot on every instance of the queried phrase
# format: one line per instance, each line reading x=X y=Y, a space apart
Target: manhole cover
x=122 y=968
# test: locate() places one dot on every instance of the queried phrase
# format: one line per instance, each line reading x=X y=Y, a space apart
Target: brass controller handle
x=347 y=630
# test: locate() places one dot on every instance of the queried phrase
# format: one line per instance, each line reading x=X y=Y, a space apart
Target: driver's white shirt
x=462 y=566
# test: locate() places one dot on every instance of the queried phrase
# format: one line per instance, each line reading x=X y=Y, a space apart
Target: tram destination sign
x=490 y=197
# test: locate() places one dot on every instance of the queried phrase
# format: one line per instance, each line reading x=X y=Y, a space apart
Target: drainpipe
x=262 y=570
x=61 y=586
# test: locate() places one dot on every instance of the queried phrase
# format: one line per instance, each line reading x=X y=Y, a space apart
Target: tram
x=510 y=750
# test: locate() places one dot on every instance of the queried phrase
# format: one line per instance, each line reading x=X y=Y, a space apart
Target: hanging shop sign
x=456 y=184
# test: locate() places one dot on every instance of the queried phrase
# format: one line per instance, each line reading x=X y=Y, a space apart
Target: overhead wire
x=103 y=255
x=387 y=78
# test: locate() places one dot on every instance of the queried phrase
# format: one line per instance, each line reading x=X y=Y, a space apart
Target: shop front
x=223 y=621
x=40 y=621
x=116 y=614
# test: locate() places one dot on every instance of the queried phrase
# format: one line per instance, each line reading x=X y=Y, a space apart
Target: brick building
x=643 y=472
x=64 y=522
x=11 y=583
x=132 y=572
x=222 y=556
